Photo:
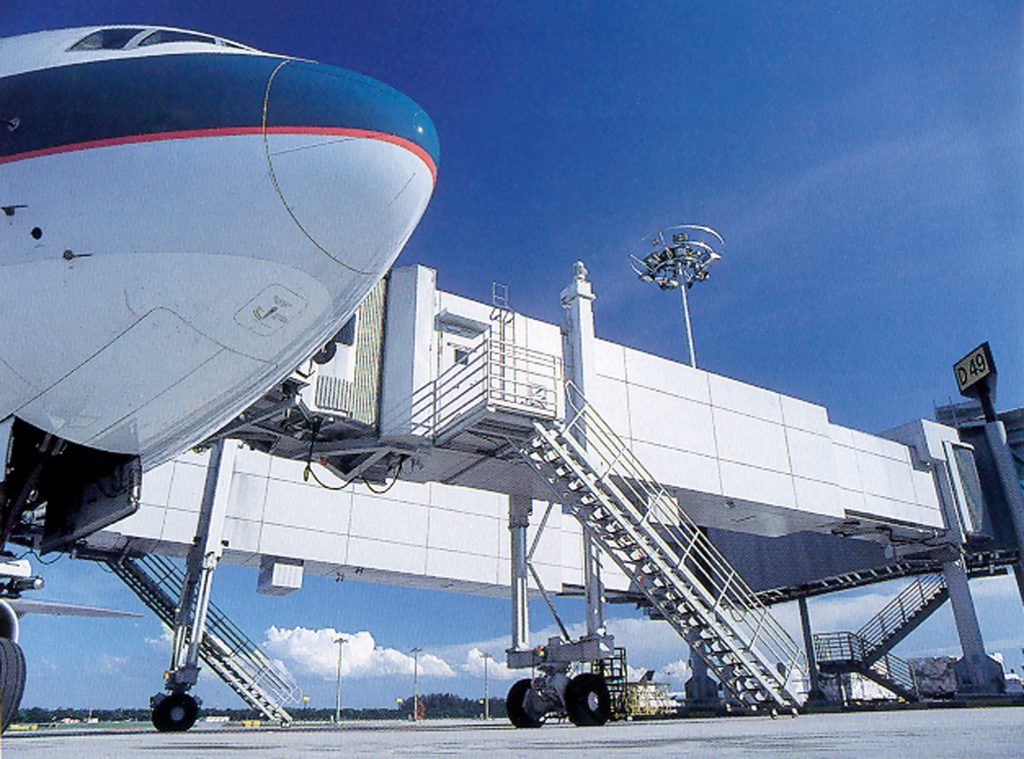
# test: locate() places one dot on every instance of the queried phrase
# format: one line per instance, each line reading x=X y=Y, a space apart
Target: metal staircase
x=668 y=557
x=867 y=651
x=225 y=649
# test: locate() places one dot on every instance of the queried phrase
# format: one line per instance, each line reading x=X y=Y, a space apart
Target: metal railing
x=497 y=376
x=901 y=610
x=721 y=588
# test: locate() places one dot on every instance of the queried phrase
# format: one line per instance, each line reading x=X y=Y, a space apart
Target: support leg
x=179 y=710
x=976 y=672
x=519 y=511
x=815 y=693
x=592 y=586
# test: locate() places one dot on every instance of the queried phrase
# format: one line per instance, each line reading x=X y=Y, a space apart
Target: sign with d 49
x=973 y=368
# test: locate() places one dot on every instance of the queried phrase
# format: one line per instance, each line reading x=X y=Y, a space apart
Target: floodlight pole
x=416 y=684
x=487 y=696
x=337 y=690
x=689 y=330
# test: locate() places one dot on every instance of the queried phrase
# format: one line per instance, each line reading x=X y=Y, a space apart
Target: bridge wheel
x=176 y=713
x=515 y=706
x=12 y=680
x=587 y=700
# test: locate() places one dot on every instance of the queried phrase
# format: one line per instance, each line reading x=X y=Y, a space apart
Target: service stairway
x=225 y=649
x=684 y=577
x=868 y=651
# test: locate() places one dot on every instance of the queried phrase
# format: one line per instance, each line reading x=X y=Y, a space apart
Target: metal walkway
x=867 y=651
x=667 y=556
x=225 y=649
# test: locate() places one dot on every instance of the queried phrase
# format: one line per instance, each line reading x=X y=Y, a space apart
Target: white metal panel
x=462 y=566
x=817 y=496
x=247 y=496
x=751 y=441
x=657 y=417
x=300 y=543
x=379 y=554
x=680 y=469
x=242 y=534
x=803 y=415
x=307 y=506
x=668 y=376
x=745 y=399
x=156 y=485
x=609 y=360
x=612 y=398
x=758 y=485
x=468 y=500
x=811 y=455
x=463 y=532
x=382 y=518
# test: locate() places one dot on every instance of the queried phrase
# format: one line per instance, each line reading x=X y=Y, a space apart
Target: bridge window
x=106 y=39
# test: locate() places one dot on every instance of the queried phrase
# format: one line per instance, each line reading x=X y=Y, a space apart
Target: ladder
x=867 y=651
x=667 y=556
x=225 y=649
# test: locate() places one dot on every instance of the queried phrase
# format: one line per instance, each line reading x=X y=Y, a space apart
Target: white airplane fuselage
x=184 y=223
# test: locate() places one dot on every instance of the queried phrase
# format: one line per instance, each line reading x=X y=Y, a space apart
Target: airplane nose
x=353 y=160
x=334 y=101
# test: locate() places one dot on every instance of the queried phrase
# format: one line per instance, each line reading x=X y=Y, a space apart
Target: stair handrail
x=901 y=609
x=740 y=600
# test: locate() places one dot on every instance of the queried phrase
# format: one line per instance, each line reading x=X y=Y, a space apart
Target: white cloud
x=315 y=652
x=676 y=672
x=496 y=669
x=163 y=641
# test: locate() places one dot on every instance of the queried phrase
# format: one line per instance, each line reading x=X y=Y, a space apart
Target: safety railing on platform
x=497 y=376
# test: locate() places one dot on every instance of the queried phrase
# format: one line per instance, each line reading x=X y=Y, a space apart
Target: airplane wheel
x=176 y=713
x=12 y=680
x=515 y=706
x=587 y=701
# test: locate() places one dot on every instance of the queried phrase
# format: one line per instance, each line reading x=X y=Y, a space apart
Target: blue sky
x=862 y=160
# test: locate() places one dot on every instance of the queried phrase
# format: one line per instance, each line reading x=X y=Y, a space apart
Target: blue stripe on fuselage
x=111 y=99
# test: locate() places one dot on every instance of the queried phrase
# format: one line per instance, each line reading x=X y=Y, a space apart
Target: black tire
x=515 y=706
x=176 y=713
x=12 y=680
x=587 y=701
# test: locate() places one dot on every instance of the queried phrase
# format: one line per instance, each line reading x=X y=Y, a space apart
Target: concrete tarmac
x=996 y=733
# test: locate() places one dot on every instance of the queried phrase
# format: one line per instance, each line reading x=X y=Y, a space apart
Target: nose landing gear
x=174 y=713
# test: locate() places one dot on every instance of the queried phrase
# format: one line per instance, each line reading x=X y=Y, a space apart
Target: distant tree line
x=435 y=706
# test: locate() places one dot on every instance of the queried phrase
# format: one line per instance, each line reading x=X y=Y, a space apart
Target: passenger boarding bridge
x=445 y=443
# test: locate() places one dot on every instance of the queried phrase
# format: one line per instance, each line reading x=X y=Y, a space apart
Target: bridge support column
x=701 y=690
x=519 y=509
x=815 y=693
x=976 y=672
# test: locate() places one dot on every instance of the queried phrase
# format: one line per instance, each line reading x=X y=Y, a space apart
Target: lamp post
x=415 y=683
x=487 y=696
x=340 y=641
x=676 y=257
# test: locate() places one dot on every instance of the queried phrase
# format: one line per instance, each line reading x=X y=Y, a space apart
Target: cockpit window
x=168 y=35
x=106 y=39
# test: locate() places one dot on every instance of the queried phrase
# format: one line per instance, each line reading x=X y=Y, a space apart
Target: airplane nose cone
x=330 y=99
x=353 y=160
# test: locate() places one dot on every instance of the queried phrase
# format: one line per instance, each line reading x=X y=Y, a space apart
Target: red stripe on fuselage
x=190 y=134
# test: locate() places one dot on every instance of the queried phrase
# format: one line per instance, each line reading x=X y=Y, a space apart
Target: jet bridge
x=408 y=451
